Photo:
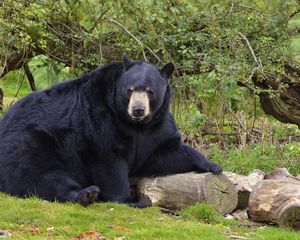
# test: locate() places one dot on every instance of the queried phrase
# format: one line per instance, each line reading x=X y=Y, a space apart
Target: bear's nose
x=138 y=111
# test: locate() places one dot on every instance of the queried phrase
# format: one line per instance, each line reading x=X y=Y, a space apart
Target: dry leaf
x=91 y=235
x=33 y=230
x=120 y=228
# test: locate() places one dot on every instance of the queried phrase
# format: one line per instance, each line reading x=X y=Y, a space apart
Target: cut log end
x=290 y=216
x=276 y=201
x=220 y=193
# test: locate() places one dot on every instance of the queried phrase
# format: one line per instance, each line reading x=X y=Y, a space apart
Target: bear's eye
x=129 y=91
x=149 y=92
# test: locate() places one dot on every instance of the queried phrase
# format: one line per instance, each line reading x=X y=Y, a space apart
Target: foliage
x=201 y=37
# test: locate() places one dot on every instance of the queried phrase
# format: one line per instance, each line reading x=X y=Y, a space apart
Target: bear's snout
x=138 y=111
x=139 y=105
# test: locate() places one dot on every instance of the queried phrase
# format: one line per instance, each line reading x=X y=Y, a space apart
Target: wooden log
x=244 y=185
x=281 y=174
x=276 y=201
x=180 y=190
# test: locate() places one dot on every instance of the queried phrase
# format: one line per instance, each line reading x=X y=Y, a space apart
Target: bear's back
x=42 y=106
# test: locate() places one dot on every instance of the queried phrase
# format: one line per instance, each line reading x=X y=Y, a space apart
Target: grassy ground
x=30 y=219
x=37 y=219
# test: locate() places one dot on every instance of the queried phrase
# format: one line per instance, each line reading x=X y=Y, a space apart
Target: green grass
x=295 y=44
x=204 y=212
x=30 y=219
x=264 y=156
x=294 y=23
x=274 y=233
x=69 y=220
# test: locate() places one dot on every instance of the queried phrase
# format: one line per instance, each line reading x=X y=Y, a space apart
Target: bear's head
x=141 y=90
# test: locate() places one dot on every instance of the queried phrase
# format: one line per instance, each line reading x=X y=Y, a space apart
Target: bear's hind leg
x=58 y=186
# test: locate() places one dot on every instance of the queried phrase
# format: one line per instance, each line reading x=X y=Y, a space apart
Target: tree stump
x=244 y=185
x=276 y=201
x=180 y=190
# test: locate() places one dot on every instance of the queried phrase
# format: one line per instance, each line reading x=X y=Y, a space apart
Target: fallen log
x=276 y=201
x=244 y=185
x=180 y=190
x=281 y=174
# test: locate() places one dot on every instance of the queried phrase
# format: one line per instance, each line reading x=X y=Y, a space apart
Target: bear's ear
x=126 y=61
x=167 y=70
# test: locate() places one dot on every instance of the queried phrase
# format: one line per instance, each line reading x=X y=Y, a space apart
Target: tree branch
x=29 y=77
x=258 y=62
x=15 y=61
x=1 y=99
x=136 y=39
x=294 y=13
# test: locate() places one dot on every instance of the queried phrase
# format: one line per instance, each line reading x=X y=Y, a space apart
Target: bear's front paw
x=214 y=168
x=88 y=195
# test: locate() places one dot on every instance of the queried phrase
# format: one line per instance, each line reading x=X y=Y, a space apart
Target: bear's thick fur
x=81 y=140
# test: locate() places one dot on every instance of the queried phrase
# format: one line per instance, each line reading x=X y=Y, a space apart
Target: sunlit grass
x=38 y=219
x=21 y=216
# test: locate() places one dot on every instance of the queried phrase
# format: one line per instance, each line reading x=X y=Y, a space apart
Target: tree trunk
x=285 y=104
x=180 y=190
x=244 y=185
x=276 y=201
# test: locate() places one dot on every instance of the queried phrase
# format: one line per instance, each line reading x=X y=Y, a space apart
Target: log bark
x=15 y=60
x=180 y=190
x=244 y=185
x=276 y=201
x=285 y=105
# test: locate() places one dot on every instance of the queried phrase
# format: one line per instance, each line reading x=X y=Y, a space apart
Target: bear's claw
x=214 y=168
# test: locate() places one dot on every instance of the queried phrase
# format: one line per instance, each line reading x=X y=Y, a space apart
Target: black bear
x=81 y=140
